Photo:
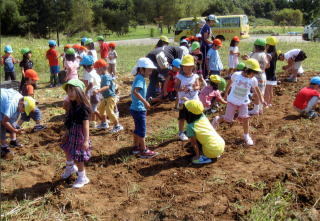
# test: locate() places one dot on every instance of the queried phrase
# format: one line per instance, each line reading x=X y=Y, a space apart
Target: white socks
x=82 y=173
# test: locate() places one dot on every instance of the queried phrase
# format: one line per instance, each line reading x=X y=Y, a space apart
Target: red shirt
x=52 y=56
x=172 y=81
x=304 y=96
x=104 y=50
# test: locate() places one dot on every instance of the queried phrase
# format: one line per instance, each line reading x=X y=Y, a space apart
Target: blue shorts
x=215 y=72
x=34 y=115
x=54 y=69
x=140 y=122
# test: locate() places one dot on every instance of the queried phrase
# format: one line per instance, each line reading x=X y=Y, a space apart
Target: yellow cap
x=187 y=60
x=253 y=64
x=279 y=52
x=29 y=104
x=194 y=106
x=272 y=40
x=215 y=78
x=164 y=38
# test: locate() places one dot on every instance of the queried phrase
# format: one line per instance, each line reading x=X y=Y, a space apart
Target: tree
x=288 y=16
x=11 y=19
x=310 y=8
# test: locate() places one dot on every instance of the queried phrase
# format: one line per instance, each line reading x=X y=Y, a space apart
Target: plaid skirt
x=73 y=144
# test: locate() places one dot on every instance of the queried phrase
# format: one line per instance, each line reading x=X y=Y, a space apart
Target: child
x=213 y=58
x=83 y=41
x=91 y=51
x=206 y=142
x=294 y=58
x=8 y=61
x=233 y=54
x=71 y=65
x=187 y=85
x=271 y=71
x=82 y=51
x=25 y=64
x=240 y=66
x=112 y=59
x=184 y=46
x=76 y=142
x=31 y=78
x=107 y=89
x=104 y=48
x=307 y=99
x=139 y=106
x=92 y=82
x=261 y=56
x=241 y=83
x=169 y=90
x=52 y=55
x=211 y=92
x=198 y=56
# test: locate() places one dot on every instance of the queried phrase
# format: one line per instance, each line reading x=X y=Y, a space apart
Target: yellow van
x=228 y=27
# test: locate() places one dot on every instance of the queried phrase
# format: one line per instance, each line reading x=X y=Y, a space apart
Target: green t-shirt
x=212 y=143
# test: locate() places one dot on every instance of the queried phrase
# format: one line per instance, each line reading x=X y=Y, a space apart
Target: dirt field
x=168 y=187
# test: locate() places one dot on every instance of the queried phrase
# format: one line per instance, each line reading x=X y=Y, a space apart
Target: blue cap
x=315 y=80
x=52 y=42
x=8 y=49
x=176 y=63
x=84 y=39
x=184 y=41
x=87 y=60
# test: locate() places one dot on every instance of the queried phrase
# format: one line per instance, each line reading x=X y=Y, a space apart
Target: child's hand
x=245 y=57
x=85 y=145
x=95 y=92
x=18 y=131
x=147 y=105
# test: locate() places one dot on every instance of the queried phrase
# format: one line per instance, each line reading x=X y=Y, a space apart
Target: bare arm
x=103 y=89
x=196 y=85
x=5 y=122
x=206 y=38
x=228 y=89
x=85 y=124
x=195 y=147
x=165 y=85
x=260 y=97
x=136 y=93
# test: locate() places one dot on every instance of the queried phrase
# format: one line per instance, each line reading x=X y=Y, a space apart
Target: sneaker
x=103 y=126
x=311 y=114
x=183 y=136
x=215 y=122
x=248 y=140
x=253 y=112
x=293 y=80
x=15 y=143
x=80 y=182
x=117 y=128
x=136 y=150
x=69 y=170
x=202 y=160
x=148 y=153
x=38 y=127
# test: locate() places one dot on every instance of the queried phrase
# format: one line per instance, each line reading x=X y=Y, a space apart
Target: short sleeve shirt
x=291 y=54
x=76 y=114
x=304 y=96
x=215 y=63
x=8 y=63
x=207 y=94
x=240 y=89
x=187 y=82
x=94 y=78
x=104 y=50
x=261 y=57
x=26 y=64
x=106 y=80
x=9 y=104
x=52 y=56
x=72 y=69
x=205 y=29
x=27 y=90
x=212 y=143
x=139 y=82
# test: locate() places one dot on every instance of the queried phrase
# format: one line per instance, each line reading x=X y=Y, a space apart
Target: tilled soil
x=169 y=187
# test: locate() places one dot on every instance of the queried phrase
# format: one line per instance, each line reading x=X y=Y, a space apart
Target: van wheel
x=221 y=37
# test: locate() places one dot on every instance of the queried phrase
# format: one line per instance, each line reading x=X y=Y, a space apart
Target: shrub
x=288 y=16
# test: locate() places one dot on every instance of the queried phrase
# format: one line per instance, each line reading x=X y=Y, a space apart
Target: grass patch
x=275 y=29
x=166 y=133
x=273 y=206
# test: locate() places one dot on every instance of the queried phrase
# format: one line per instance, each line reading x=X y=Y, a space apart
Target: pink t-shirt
x=72 y=69
x=207 y=94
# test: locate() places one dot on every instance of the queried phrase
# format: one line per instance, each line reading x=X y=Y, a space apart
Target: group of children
x=95 y=96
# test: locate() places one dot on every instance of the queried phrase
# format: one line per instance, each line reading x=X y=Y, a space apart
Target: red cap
x=68 y=46
x=101 y=63
x=82 y=48
x=236 y=38
x=112 y=44
x=32 y=74
x=217 y=42
x=76 y=46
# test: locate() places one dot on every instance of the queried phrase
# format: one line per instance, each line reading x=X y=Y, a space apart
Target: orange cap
x=236 y=38
x=82 y=48
x=101 y=63
x=112 y=44
x=32 y=74
x=217 y=42
x=76 y=46
x=68 y=46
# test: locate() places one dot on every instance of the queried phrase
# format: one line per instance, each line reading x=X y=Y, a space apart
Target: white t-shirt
x=112 y=57
x=185 y=50
x=187 y=82
x=291 y=54
x=94 y=78
x=93 y=53
x=261 y=57
x=240 y=89
x=233 y=58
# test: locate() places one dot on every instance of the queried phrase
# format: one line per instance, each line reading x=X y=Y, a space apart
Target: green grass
x=275 y=29
x=274 y=206
x=166 y=133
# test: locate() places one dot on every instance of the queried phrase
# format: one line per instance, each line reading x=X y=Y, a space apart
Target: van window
x=183 y=25
x=229 y=22
x=245 y=20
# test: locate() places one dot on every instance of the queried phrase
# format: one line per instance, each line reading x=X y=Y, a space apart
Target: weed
x=134 y=189
x=166 y=133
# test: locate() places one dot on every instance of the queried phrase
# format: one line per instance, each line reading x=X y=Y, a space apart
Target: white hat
x=143 y=63
x=213 y=18
x=198 y=35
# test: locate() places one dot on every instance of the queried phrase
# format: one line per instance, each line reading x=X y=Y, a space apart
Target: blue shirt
x=107 y=80
x=8 y=64
x=139 y=82
x=215 y=63
x=205 y=29
x=9 y=104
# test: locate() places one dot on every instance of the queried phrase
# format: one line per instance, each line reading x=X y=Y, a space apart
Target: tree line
x=40 y=17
